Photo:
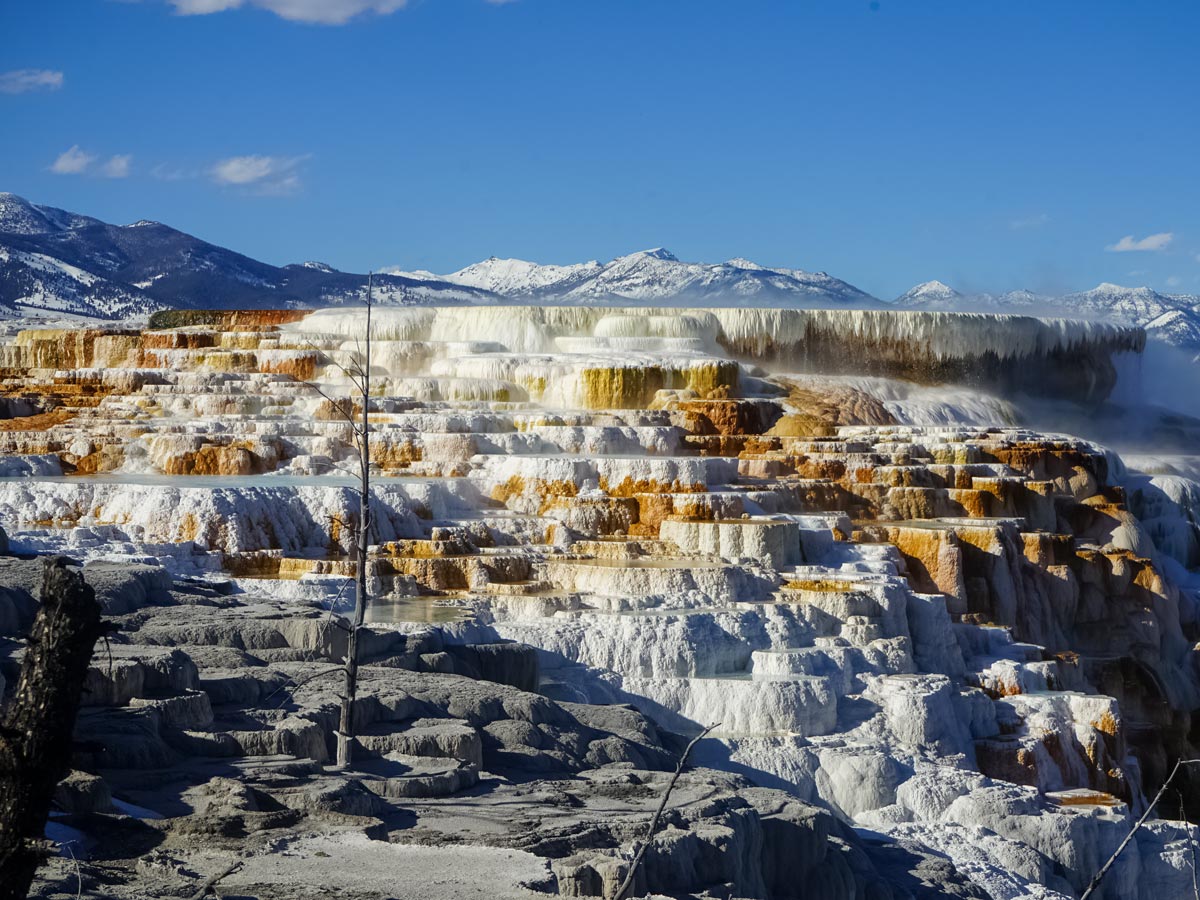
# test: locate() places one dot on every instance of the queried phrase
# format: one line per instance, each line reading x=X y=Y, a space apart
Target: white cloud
x=117 y=166
x=1129 y=243
x=243 y=169
x=1029 y=222
x=323 y=12
x=77 y=161
x=265 y=174
x=21 y=81
x=72 y=162
x=1174 y=281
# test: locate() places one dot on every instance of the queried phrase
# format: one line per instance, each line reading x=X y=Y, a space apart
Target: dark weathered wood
x=362 y=540
x=359 y=375
x=35 y=738
x=211 y=881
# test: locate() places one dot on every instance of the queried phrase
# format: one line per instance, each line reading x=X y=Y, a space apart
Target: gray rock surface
x=208 y=728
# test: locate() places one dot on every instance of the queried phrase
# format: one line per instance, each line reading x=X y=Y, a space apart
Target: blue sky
x=992 y=145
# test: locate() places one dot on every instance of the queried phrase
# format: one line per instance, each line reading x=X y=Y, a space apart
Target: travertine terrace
x=951 y=632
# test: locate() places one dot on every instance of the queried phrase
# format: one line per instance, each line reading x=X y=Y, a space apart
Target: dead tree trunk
x=35 y=739
x=362 y=540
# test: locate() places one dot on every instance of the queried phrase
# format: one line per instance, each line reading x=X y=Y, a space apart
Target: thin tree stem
x=362 y=540
x=1099 y=876
x=653 y=827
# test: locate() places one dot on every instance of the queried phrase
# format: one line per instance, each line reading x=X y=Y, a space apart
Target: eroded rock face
x=209 y=722
x=961 y=638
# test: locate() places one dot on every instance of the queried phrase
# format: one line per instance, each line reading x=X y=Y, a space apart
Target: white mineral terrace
x=886 y=596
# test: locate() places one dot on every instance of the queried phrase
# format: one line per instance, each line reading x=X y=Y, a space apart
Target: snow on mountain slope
x=1171 y=318
x=1179 y=327
x=342 y=289
x=57 y=261
x=32 y=282
x=931 y=295
x=658 y=275
x=19 y=216
x=61 y=261
x=1022 y=300
x=937 y=295
x=1130 y=304
x=518 y=278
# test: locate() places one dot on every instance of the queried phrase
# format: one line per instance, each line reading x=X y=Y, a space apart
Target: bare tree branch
x=212 y=880
x=653 y=827
x=362 y=535
x=358 y=372
x=78 y=872
x=1099 y=876
x=330 y=361
x=339 y=405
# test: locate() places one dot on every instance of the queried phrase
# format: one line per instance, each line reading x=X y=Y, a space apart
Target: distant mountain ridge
x=656 y=276
x=1171 y=318
x=58 y=262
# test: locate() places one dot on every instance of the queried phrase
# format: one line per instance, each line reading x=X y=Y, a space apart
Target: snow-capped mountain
x=58 y=261
x=1171 y=318
x=938 y=295
x=658 y=276
x=61 y=262
x=518 y=278
x=19 y=216
x=1131 y=304
x=931 y=295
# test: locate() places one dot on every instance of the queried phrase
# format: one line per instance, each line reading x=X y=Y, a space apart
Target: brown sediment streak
x=38 y=422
